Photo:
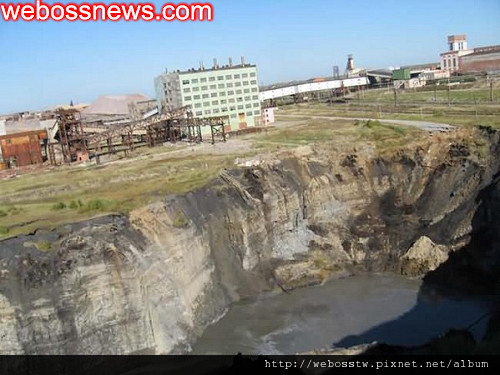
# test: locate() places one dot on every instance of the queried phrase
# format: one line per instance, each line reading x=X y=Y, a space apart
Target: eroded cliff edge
x=151 y=282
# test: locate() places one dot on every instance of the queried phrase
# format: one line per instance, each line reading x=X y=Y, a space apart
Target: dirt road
x=424 y=125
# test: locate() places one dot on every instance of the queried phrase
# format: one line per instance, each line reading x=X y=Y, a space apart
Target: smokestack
x=215 y=64
x=230 y=62
x=350 y=63
x=242 y=60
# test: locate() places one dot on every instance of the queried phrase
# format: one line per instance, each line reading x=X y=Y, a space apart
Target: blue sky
x=48 y=63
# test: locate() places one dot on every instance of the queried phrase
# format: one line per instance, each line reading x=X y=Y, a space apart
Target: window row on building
x=231 y=99
x=220 y=86
x=226 y=77
x=216 y=112
x=447 y=63
x=228 y=108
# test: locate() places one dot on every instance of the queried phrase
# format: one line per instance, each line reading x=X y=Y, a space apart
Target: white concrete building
x=227 y=90
x=430 y=75
x=268 y=115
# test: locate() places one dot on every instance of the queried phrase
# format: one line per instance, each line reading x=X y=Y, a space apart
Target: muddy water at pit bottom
x=359 y=309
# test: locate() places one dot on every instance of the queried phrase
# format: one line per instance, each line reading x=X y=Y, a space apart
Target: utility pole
x=491 y=89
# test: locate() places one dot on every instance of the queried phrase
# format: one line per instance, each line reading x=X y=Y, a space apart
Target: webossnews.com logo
x=40 y=11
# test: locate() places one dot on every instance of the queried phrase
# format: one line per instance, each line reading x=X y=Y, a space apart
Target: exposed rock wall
x=151 y=283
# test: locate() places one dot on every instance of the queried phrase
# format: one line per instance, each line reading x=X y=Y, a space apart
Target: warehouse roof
x=485 y=51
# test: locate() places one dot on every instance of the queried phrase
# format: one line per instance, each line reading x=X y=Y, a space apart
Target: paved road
x=424 y=125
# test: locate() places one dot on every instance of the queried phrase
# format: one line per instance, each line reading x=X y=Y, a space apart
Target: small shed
x=401 y=74
x=21 y=149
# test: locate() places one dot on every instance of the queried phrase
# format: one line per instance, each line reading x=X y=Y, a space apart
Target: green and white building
x=227 y=90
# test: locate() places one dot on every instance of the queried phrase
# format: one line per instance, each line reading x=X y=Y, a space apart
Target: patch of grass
x=95 y=191
x=95 y=204
x=58 y=206
x=376 y=125
x=3 y=230
x=180 y=220
x=14 y=210
x=370 y=124
x=47 y=199
x=43 y=245
x=313 y=131
x=397 y=129
x=389 y=137
x=3 y=213
x=481 y=147
x=322 y=262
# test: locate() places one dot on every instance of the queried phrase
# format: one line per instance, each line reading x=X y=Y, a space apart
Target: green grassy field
x=469 y=104
x=463 y=105
x=479 y=94
x=455 y=115
x=385 y=137
x=66 y=194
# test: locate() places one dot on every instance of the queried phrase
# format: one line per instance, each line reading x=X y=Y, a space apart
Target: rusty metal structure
x=22 y=149
x=71 y=136
x=217 y=130
x=79 y=142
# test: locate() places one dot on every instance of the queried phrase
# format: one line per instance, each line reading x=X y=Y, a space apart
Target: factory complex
x=199 y=104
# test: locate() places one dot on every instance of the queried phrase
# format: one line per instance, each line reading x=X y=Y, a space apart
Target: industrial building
x=22 y=149
x=295 y=90
x=461 y=59
x=321 y=88
x=450 y=60
x=230 y=91
x=24 y=141
x=268 y=115
x=379 y=77
x=413 y=76
x=483 y=59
